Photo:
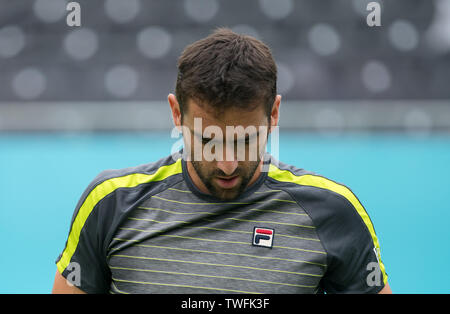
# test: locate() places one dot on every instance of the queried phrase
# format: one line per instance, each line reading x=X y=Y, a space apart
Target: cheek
x=253 y=168
x=248 y=167
x=189 y=147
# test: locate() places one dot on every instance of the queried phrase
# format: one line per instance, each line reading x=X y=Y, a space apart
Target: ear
x=275 y=114
x=175 y=108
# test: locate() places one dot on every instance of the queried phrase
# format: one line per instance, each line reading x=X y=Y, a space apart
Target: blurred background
x=368 y=107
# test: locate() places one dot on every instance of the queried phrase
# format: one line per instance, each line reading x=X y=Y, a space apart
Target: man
x=196 y=224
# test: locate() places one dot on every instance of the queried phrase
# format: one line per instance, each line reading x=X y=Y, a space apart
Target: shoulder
x=160 y=170
x=309 y=187
x=122 y=188
x=331 y=205
x=108 y=198
x=342 y=224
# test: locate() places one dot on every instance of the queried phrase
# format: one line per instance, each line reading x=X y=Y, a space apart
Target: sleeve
x=353 y=251
x=347 y=235
x=83 y=260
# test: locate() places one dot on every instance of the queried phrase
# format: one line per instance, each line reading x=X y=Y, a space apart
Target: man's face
x=225 y=150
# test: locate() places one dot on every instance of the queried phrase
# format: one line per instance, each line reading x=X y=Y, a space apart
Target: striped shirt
x=148 y=229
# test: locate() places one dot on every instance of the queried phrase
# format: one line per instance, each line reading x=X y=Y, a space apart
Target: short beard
x=219 y=193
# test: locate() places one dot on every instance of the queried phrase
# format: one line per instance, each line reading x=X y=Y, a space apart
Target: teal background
x=402 y=180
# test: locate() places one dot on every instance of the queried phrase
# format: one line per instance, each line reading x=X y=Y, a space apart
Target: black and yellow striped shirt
x=148 y=229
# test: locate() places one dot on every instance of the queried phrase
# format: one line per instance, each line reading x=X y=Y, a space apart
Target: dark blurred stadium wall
x=114 y=72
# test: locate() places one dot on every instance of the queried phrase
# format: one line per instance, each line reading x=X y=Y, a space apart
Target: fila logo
x=263 y=237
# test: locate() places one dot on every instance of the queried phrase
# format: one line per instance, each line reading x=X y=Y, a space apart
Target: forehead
x=232 y=116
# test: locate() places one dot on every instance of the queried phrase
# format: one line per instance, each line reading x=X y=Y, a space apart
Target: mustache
x=220 y=173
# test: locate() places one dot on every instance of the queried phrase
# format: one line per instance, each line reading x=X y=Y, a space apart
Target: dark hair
x=226 y=70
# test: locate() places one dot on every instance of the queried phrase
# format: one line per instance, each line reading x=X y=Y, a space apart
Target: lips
x=227 y=182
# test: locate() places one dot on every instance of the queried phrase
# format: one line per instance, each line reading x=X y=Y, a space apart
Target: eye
x=206 y=140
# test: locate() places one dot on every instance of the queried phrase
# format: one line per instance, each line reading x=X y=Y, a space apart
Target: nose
x=228 y=167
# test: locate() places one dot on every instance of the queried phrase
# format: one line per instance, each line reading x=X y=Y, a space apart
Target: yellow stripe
x=190 y=203
x=175 y=213
x=237 y=242
x=232 y=203
x=244 y=243
x=209 y=213
x=209 y=264
x=229 y=253
x=185 y=286
x=200 y=239
x=321 y=182
x=101 y=191
x=272 y=222
x=213 y=213
x=272 y=211
x=227 y=230
x=276 y=199
x=178 y=190
x=211 y=276
x=115 y=287
x=269 y=191
x=160 y=222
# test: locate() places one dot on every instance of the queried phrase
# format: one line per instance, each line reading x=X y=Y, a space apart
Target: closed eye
x=206 y=140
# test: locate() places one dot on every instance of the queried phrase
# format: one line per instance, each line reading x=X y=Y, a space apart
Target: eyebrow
x=247 y=136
